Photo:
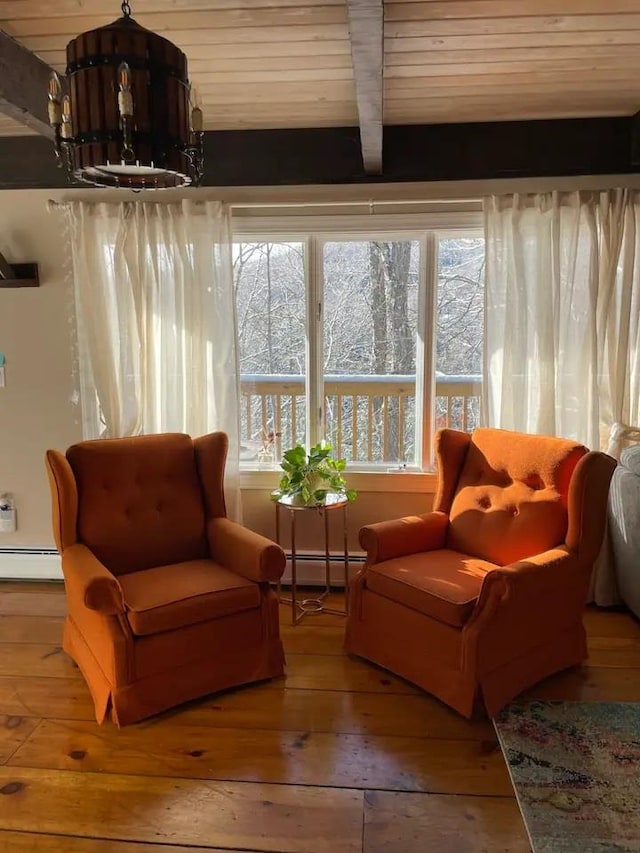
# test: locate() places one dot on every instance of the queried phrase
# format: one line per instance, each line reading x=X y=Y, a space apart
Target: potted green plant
x=308 y=477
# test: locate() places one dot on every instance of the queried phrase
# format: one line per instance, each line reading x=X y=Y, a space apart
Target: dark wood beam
x=366 y=33
x=24 y=80
x=439 y=152
x=635 y=140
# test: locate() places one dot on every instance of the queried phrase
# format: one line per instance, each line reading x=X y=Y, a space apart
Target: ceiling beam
x=24 y=80
x=366 y=33
x=635 y=140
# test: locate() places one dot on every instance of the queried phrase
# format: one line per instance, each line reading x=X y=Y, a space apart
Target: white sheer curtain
x=562 y=340
x=156 y=319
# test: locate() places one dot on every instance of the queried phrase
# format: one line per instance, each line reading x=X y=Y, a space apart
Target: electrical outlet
x=7 y=514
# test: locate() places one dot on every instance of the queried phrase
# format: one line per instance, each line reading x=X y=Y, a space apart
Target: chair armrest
x=247 y=553
x=521 y=605
x=534 y=577
x=410 y=535
x=88 y=581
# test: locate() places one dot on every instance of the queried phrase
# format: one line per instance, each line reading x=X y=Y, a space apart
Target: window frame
x=313 y=231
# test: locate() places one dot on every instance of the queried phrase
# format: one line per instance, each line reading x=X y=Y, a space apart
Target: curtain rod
x=356 y=203
x=246 y=205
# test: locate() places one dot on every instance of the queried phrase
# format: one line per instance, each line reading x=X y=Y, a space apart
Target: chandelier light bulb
x=55 y=90
x=197 y=120
x=66 y=117
x=124 y=77
x=125 y=98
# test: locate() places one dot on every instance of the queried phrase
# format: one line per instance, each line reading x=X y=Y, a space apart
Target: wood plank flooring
x=340 y=756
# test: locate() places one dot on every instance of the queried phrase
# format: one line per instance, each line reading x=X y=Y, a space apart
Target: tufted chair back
x=140 y=501
x=506 y=494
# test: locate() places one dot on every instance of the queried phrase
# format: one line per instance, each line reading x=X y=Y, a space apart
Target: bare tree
x=378 y=276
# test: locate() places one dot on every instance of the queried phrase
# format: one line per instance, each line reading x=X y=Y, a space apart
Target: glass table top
x=333 y=500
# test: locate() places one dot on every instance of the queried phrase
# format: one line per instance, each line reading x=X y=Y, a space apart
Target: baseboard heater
x=310 y=569
x=30 y=564
x=44 y=564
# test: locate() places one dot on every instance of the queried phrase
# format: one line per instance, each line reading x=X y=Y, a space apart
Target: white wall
x=36 y=324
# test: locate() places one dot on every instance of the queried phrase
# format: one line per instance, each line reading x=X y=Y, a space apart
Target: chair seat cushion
x=180 y=594
x=442 y=584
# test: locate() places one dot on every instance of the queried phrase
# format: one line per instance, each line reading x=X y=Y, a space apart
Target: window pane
x=460 y=329
x=270 y=300
x=370 y=309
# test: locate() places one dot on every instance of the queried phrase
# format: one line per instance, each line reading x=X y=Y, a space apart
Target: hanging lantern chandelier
x=126 y=120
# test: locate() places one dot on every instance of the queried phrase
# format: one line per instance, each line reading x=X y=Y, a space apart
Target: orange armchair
x=167 y=599
x=484 y=596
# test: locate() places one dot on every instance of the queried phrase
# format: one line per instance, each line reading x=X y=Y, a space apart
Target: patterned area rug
x=575 y=767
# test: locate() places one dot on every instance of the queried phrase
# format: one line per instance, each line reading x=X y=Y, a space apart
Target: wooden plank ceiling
x=283 y=63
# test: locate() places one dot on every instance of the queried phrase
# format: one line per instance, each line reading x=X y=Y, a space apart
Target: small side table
x=302 y=607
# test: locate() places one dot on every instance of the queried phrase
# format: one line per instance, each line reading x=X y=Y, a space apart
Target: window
x=370 y=341
x=369 y=334
x=459 y=331
x=269 y=280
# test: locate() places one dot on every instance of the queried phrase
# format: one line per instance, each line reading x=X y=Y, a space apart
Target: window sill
x=405 y=482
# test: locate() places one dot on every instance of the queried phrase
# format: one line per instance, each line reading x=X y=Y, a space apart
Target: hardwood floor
x=340 y=756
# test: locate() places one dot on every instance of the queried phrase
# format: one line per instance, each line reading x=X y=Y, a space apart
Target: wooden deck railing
x=368 y=418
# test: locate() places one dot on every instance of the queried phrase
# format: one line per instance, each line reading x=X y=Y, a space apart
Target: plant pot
x=316 y=481
x=313 y=482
